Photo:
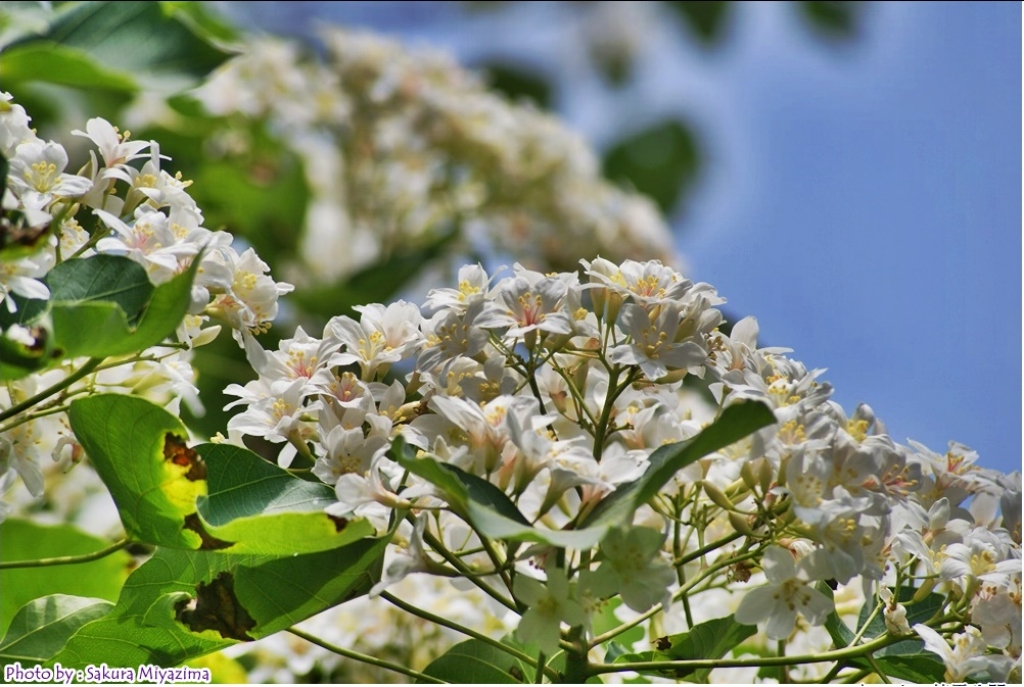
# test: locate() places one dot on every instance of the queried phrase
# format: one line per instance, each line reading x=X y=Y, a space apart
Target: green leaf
x=265 y=509
x=4 y=168
x=183 y=604
x=42 y=627
x=202 y=21
x=104 y=305
x=377 y=283
x=262 y=195
x=605 y=620
x=485 y=506
x=661 y=162
x=831 y=19
x=213 y=497
x=706 y=19
x=139 y=451
x=736 y=422
x=517 y=83
x=136 y=39
x=21 y=540
x=19 y=358
x=836 y=628
x=109 y=278
x=58 y=64
x=906 y=660
x=708 y=640
x=102 y=328
x=475 y=662
x=488 y=509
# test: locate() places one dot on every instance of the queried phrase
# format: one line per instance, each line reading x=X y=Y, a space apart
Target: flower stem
x=363 y=658
x=440 y=620
x=828 y=656
x=67 y=560
x=84 y=370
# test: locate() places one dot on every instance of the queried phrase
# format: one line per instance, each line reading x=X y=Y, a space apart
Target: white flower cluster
x=557 y=391
x=144 y=213
x=400 y=148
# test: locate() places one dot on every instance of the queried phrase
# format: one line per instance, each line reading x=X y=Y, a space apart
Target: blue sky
x=862 y=201
x=878 y=228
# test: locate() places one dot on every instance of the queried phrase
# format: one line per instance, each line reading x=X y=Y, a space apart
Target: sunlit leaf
x=211 y=497
x=42 y=626
x=139 y=40
x=183 y=604
x=51 y=62
x=21 y=540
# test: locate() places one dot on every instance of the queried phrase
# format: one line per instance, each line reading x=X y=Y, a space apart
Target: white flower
x=114 y=146
x=37 y=174
x=526 y=307
x=14 y=126
x=785 y=595
x=251 y=301
x=19 y=449
x=550 y=604
x=383 y=335
x=966 y=656
x=149 y=241
x=633 y=569
x=653 y=345
x=21 y=276
x=894 y=613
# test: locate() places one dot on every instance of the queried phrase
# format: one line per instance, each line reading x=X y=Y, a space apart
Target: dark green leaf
x=661 y=161
x=42 y=627
x=102 y=328
x=706 y=19
x=21 y=540
x=265 y=509
x=475 y=662
x=906 y=660
x=517 y=83
x=830 y=19
x=736 y=422
x=183 y=604
x=837 y=630
x=375 y=284
x=58 y=64
x=4 y=168
x=137 y=39
x=107 y=278
x=923 y=667
x=708 y=640
x=485 y=506
x=488 y=509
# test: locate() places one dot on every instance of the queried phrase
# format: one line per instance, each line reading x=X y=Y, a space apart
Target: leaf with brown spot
x=209 y=543
x=139 y=451
x=182 y=604
x=177 y=452
x=217 y=608
x=339 y=523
